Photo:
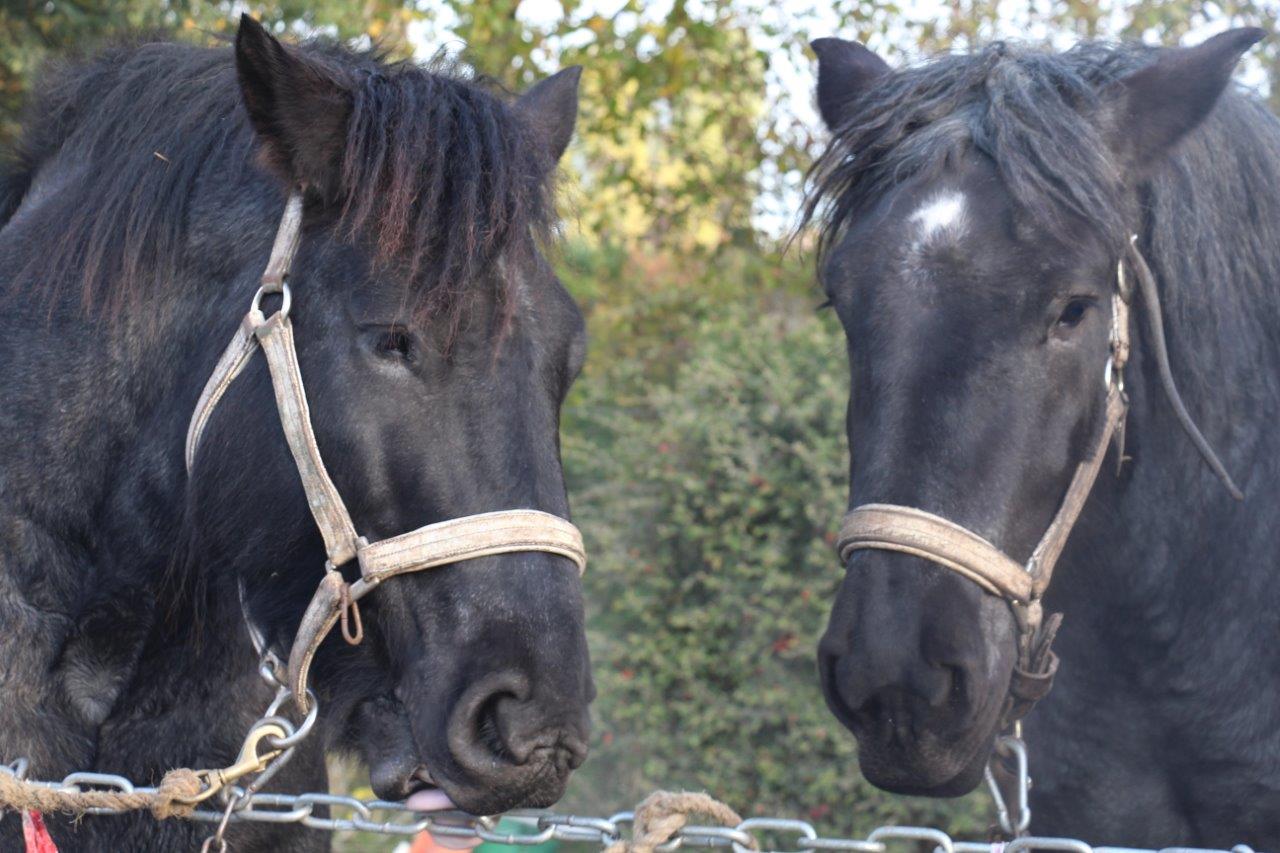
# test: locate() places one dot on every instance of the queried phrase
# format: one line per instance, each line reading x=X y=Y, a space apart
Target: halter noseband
x=483 y=535
x=913 y=531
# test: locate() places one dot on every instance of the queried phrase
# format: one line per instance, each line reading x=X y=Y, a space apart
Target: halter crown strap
x=444 y=543
x=243 y=345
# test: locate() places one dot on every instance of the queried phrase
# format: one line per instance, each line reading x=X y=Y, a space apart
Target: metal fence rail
x=775 y=835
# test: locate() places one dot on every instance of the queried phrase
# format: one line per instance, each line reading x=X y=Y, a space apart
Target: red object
x=36 y=834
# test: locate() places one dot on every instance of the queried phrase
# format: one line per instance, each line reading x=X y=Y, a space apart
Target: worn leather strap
x=242 y=346
x=276 y=337
x=1045 y=557
x=288 y=238
x=233 y=361
x=440 y=544
x=922 y=534
x=470 y=537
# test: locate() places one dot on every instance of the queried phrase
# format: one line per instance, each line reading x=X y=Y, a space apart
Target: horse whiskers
x=1155 y=324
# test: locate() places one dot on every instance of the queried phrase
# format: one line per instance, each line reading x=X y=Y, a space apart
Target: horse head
x=436 y=346
x=978 y=216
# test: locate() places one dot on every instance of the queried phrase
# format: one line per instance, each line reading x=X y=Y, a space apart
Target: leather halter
x=922 y=534
x=467 y=538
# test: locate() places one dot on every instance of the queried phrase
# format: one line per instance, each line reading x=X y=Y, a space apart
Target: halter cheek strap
x=441 y=544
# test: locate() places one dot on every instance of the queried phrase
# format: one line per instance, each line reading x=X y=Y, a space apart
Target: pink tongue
x=436 y=800
x=429 y=800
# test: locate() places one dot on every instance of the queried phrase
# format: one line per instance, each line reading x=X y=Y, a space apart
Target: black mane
x=1033 y=112
x=1027 y=109
x=437 y=176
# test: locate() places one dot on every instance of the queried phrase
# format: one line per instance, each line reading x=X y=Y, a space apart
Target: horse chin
x=398 y=772
x=542 y=789
x=926 y=767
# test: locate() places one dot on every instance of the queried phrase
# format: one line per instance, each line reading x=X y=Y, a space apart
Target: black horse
x=437 y=346
x=975 y=209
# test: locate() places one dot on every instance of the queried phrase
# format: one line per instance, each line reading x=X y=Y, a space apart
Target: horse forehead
x=941 y=216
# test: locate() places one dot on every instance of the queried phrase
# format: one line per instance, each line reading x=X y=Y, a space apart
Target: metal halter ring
x=1111 y=375
x=285 y=294
x=1108 y=373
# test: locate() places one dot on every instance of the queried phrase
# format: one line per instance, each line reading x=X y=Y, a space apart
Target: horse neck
x=1164 y=557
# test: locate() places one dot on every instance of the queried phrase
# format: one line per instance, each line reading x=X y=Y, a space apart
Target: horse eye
x=1074 y=313
x=395 y=343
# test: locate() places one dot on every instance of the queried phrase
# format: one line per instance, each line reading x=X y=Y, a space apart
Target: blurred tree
x=668 y=144
x=33 y=30
x=961 y=24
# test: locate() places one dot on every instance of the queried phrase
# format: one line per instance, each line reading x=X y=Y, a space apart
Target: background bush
x=705 y=450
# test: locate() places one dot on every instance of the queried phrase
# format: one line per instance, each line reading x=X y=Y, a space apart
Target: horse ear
x=1151 y=109
x=298 y=107
x=846 y=70
x=551 y=109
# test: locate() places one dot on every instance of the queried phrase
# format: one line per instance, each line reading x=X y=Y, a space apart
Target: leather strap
x=276 y=336
x=913 y=531
x=288 y=237
x=1045 y=557
x=242 y=346
x=444 y=543
x=233 y=360
x=467 y=538
x=922 y=534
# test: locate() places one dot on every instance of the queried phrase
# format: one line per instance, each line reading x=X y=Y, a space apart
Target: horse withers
x=999 y=232
x=436 y=345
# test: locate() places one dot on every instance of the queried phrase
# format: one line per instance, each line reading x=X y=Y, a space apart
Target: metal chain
x=336 y=812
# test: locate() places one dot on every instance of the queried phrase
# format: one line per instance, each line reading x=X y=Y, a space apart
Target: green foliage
x=671 y=105
x=707 y=465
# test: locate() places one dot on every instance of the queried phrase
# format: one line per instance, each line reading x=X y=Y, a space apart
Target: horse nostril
x=948 y=678
x=475 y=738
x=498 y=723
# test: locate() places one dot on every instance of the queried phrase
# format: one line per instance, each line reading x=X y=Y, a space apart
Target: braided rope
x=664 y=813
x=165 y=801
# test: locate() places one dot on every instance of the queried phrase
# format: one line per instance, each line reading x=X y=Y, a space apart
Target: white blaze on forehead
x=941 y=215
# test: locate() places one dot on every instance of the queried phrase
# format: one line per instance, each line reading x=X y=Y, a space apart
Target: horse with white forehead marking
x=977 y=216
